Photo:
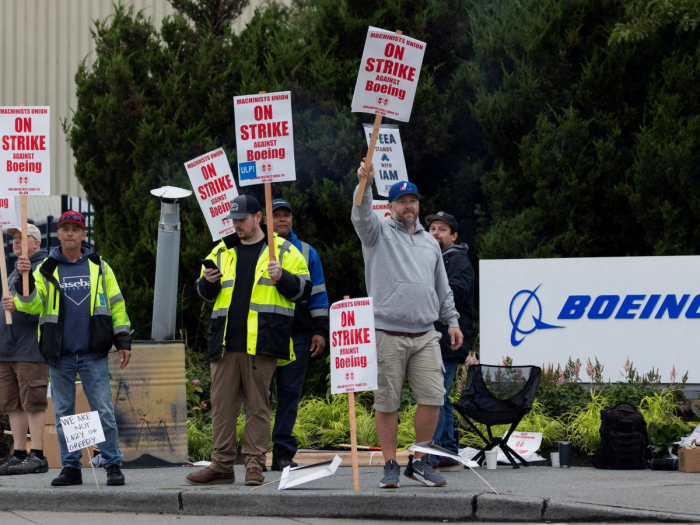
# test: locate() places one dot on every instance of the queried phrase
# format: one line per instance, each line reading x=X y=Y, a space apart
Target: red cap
x=74 y=217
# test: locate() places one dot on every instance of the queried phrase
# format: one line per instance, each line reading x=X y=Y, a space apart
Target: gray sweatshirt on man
x=404 y=273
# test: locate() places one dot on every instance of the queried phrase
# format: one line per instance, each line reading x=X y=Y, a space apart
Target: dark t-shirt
x=237 y=330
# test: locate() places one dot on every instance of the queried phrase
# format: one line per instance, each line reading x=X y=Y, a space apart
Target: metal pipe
x=167 y=266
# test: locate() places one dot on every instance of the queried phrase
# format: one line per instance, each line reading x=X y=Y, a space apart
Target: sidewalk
x=528 y=494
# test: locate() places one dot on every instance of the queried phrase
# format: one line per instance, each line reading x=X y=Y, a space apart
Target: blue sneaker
x=421 y=470
x=391 y=475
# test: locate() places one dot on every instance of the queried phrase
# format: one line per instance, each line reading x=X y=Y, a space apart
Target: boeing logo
x=525 y=305
x=533 y=309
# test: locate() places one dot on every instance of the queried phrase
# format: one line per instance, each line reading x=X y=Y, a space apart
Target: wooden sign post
x=3 y=272
x=353 y=437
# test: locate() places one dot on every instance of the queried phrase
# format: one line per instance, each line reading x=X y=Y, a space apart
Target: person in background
x=23 y=371
x=460 y=273
x=310 y=319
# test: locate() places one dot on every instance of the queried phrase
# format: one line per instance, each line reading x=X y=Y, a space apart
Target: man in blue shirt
x=310 y=318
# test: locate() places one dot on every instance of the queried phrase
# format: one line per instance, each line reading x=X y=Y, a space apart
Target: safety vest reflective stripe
x=305 y=251
x=266 y=281
x=116 y=298
x=319 y=312
x=227 y=284
x=272 y=309
x=318 y=289
x=102 y=310
x=121 y=328
x=221 y=312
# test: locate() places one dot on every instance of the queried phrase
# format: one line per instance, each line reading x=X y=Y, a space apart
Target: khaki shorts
x=420 y=358
x=23 y=386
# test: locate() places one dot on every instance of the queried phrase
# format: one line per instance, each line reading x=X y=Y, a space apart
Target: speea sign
x=547 y=310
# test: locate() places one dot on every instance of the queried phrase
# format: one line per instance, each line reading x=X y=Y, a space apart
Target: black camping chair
x=498 y=395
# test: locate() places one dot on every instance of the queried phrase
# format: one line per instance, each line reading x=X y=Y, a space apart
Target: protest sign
x=389 y=163
x=9 y=218
x=24 y=150
x=82 y=430
x=264 y=138
x=291 y=477
x=9 y=213
x=381 y=208
x=214 y=184
x=353 y=346
x=389 y=72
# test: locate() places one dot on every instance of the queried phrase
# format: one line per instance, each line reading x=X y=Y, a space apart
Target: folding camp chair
x=498 y=395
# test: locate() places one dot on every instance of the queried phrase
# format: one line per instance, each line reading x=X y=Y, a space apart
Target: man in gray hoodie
x=406 y=278
x=23 y=372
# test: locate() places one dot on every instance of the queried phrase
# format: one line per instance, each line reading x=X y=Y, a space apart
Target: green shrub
x=583 y=427
x=199 y=443
x=665 y=426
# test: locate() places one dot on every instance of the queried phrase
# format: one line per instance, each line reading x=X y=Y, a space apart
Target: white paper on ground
x=427 y=447
x=291 y=477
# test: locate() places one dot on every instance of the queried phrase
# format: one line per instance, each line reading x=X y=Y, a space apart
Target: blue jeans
x=94 y=373
x=290 y=380
x=445 y=431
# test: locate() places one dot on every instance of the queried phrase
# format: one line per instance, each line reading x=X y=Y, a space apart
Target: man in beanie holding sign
x=406 y=277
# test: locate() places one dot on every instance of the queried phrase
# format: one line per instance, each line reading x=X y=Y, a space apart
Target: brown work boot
x=253 y=476
x=208 y=476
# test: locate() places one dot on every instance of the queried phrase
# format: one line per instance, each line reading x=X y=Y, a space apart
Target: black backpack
x=624 y=443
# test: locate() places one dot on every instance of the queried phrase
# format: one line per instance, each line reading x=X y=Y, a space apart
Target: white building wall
x=43 y=42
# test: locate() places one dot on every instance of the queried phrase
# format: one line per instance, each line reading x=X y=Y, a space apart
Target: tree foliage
x=551 y=128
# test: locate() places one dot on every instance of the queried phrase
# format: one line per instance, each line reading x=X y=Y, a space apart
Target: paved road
x=527 y=494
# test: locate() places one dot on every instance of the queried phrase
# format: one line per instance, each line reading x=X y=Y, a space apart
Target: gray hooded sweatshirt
x=404 y=273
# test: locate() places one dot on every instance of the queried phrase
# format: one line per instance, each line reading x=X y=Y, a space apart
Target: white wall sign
x=539 y=311
x=25 y=158
x=388 y=160
x=82 y=430
x=381 y=208
x=9 y=213
x=264 y=138
x=215 y=187
x=389 y=71
x=353 y=346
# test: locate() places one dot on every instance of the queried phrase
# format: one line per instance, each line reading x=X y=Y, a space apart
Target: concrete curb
x=236 y=502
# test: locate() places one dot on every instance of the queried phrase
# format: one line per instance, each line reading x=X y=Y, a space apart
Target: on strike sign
x=353 y=346
x=9 y=213
x=24 y=150
x=264 y=138
x=388 y=157
x=213 y=183
x=389 y=71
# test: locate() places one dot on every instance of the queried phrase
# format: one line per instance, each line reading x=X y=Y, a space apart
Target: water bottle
x=664 y=464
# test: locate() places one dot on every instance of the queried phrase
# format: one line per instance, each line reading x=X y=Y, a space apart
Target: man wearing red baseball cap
x=82 y=315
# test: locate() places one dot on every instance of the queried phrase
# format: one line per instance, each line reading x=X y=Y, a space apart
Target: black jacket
x=460 y=273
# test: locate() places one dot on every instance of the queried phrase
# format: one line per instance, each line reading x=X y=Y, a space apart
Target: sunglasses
x=71 y=217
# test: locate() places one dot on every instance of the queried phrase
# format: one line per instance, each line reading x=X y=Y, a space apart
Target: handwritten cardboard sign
x=82 y=430
x=264 y=138
x=25 y=158
x=388 y=159
x=353 y=346
x=388 y=77
x=215 y=188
